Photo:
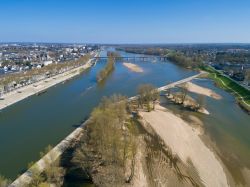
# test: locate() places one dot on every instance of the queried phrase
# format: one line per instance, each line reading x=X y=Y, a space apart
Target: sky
x=125 y=21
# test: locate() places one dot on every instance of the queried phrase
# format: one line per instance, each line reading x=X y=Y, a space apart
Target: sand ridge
x=201 y=90
x=186 y=143
x=133 y=67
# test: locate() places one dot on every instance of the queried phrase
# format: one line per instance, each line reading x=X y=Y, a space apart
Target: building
x=46 y=63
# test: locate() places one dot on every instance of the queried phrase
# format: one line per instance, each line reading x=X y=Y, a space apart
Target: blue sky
x=125 y=21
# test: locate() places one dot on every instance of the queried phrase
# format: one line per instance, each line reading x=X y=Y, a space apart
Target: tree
x=201 y=101
x=147 y=94
x=184 y=91
x=107 y=69
x=53 y=172
x=107 y=143
x=37 y=178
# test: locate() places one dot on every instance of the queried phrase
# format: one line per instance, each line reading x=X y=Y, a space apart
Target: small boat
x=41 y=92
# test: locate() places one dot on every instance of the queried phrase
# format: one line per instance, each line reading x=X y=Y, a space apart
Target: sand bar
x=133 y=67
x=186 y=143
x=201 y=90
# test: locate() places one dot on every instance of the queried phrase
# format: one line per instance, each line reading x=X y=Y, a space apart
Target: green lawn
x=241 y=93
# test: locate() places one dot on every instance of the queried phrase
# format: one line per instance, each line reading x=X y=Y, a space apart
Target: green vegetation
x=187 y=60
x=242 y=94
x=107 y=69
x=194 y=62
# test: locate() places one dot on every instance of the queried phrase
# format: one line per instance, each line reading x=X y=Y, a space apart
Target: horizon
x=95 y=43
x=125 y=22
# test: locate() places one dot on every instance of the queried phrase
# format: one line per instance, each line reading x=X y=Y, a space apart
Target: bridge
x=174 y=84
x=136 y=58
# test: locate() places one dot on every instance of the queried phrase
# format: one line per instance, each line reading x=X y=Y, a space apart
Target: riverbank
x=39 y=87
x=241 y=94
x=55 y=153
x=133 y=67
x=186 y=143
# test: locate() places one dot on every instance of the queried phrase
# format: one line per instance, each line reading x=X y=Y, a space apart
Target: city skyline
x=125 y=21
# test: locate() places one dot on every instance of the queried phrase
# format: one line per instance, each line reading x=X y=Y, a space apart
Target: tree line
x=193 y=62
x=106 y=70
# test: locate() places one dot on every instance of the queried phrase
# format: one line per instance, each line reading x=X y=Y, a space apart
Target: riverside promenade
x=58 y=150
x=40 y=86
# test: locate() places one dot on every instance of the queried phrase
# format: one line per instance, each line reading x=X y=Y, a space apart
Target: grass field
x=242 y=94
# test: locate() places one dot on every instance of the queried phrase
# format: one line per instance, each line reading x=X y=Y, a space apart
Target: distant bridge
x=136 y=58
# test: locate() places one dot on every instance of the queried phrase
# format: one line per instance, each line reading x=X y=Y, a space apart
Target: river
x=29 y=126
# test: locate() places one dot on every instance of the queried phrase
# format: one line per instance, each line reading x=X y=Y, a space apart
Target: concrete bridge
x=70 y=140
x=137 y=58
x=171 y=85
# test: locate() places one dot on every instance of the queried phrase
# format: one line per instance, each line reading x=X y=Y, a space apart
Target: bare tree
x=110 y=143
x=53 y=172
x=37 y=178
x=147 y=94
x=184 y=91
x=201 y=101
x=4 y=182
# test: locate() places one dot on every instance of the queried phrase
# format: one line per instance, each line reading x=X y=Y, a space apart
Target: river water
x=227 y=130
x=27 y=127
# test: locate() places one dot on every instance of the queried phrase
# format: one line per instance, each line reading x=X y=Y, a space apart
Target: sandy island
x=201 y=90
x=133 y=67
x=186 y=143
